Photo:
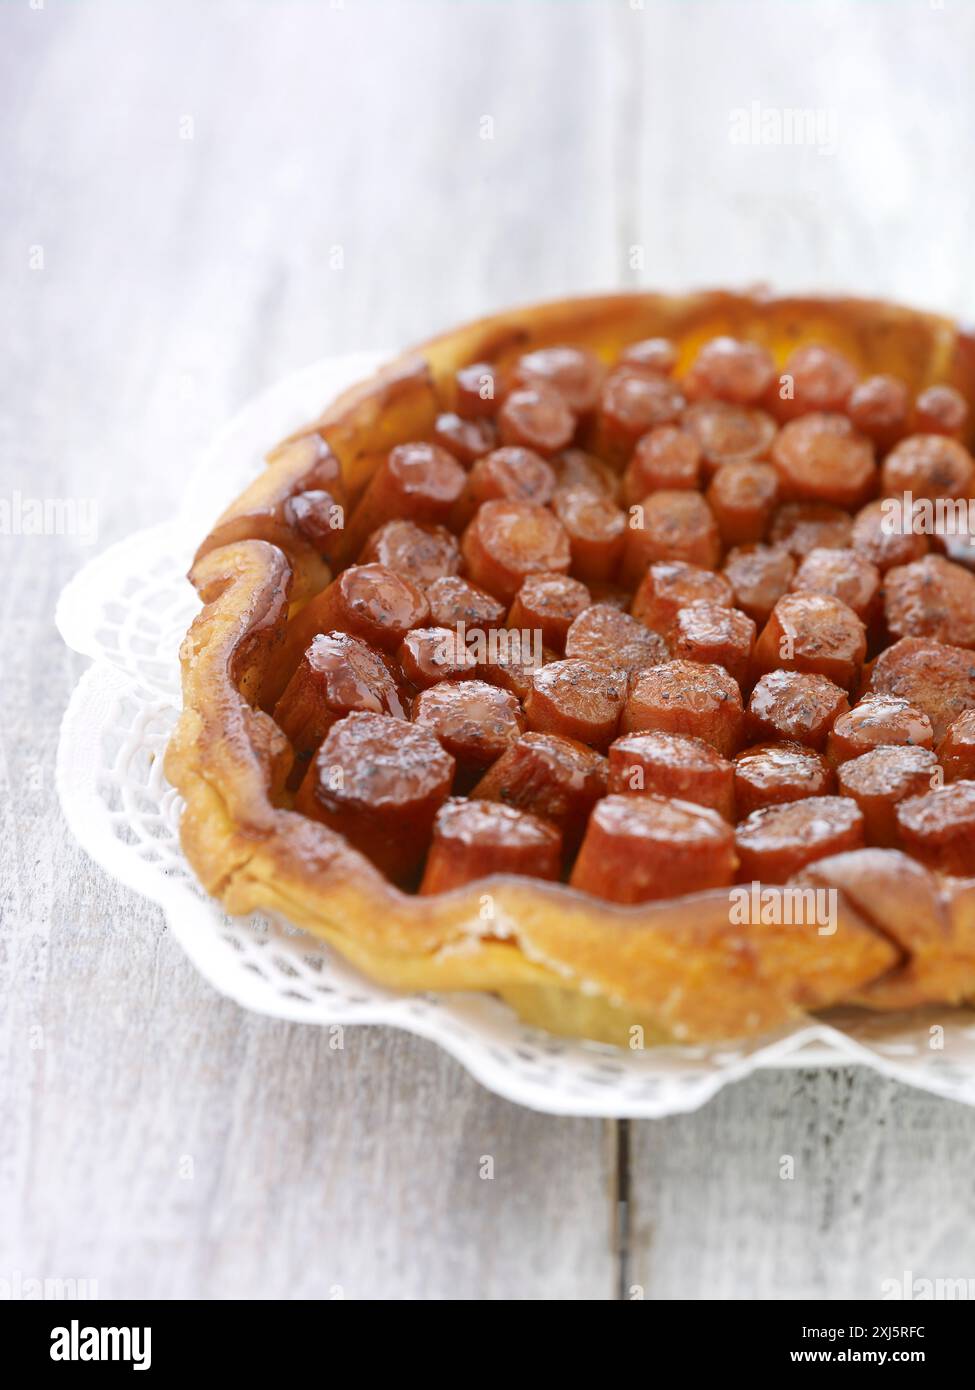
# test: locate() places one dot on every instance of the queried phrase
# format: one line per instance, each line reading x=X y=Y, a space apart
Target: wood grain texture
x=222 y=194
x=880 y=1183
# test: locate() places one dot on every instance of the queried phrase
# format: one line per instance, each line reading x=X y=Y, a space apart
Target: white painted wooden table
x=198 y=199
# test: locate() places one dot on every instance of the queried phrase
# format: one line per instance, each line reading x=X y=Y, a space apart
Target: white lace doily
x=128 y=610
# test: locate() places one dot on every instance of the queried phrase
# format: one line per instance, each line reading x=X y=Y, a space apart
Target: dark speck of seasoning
x=722 y=694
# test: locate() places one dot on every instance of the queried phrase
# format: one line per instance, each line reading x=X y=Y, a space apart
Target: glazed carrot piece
x=577 y=699
x=640 y=848
x=665 y=458
x=684 y=697
x=578 y=468
x=815 y=378
x=878 y=780
x=743 y=497
x=658 y=355
x=758 y=576
x=475 y=390
x=778 y=841
x=557 y=778
x=956 y=751
x=729 y=369
x=814 y=633
x=878 y=721
x=337 y=674
x=536 y=417
x=797 y=706
x=474 y=721
x=713 y=634
x=513 y=475
x=841 y=574
x=670 y=585
x=935 y=677
x=633 y=402
x=421 y=552
x=370 y=602
x=575 y=373
x=878 y=407
x=799 y=527
x=508 y=541
x=939 y=828
x=549 y=603
x=771 y=773
x=417 y=482
x=670 y=526
x=431 y=654
x=596 y=529
x=728 y=433
x=822 y=458
x=379 y=782
x=928 y=465
x=673 y=765
x=453 y=600
x=940 y=410
x=605 y=636
x=932 y=597
x=472 y=839
x=875 y=539
x=466 y=439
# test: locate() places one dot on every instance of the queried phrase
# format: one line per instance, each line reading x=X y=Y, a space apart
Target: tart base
x=680 y=970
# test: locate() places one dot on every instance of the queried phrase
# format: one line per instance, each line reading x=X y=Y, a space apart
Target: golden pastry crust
x=679 y=970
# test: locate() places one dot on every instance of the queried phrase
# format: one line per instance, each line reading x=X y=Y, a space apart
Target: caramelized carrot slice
x=474 y=721
x=956 y=751
x=939 y=828
x=878 y=780
x=670 y=526
x=536 y=417
x=771 y=773
x=640 y=848
x=711 y=633
x=551 y=776
x=729 y=369
x=379 y=782
x=743 y=497
x=932 y=597
x=577 y=699
x=670 y=585
x=684 y=697
x=814 y=633
x=777 y=841
x=508 y=541
x=673 y=765
x=796 y=706
x=472 y=839
x=878 y=721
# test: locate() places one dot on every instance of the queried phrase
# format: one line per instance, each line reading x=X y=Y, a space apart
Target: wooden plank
x=881 y=1185
x=180 y=275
